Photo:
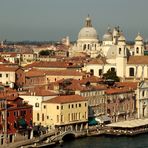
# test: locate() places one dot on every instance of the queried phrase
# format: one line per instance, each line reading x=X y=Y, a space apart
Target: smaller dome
x=139 y=37
x=107 y=36
x=122 y=38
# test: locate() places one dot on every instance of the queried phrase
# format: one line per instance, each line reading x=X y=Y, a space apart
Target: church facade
x=111 y=53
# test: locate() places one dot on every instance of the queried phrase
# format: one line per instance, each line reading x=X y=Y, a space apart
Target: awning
x=103 y=119
x=22 y=122
x=92 y=121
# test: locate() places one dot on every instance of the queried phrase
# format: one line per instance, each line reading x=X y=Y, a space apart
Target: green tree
x=46 y=52
x=111 y=74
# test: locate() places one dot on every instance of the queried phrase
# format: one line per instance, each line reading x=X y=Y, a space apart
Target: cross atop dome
x=88 y=22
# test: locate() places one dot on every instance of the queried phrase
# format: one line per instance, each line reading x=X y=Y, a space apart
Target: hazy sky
x=54 y=19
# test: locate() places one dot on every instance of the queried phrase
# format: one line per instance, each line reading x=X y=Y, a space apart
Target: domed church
x=87 y=40
x=128 y=62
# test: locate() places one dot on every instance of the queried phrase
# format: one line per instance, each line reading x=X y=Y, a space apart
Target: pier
x=128 y=128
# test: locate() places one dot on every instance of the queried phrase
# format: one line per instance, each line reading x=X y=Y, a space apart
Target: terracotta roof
x=131 y=85
x=98 y=61
x=66 y=99
x=55 y=64
x=91 y=79
x=63 y=72
x=8 y=68
x=40 y=92
x=117 y=91
x=13 y=54
x=138 y=60
x=37 y=73
x=34 y=73
x=76 y=86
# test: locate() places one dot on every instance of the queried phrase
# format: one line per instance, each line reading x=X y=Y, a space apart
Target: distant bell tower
x=121 y=58
x=139 y=46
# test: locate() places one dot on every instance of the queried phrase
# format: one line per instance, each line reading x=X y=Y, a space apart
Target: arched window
x=84 y=47
x=38 y=117
x=88 y=46
x=36 y=104
x=137 y=50
x=143 y=93
x=119 y=50
x=131 y=72
x=92 y=72
x=100 y=72
x=112 y=69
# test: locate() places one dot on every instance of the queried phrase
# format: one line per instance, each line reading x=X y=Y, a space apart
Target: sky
x=51 y=20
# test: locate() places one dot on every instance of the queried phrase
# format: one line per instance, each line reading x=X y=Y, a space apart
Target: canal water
x=140 y=141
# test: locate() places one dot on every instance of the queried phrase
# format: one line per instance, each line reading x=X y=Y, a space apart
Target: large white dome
x=87 y=33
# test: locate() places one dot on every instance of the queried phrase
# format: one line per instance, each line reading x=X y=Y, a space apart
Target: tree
x=111 y=74
x=46 y=52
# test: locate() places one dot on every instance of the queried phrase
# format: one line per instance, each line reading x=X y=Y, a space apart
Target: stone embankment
x=54 y=137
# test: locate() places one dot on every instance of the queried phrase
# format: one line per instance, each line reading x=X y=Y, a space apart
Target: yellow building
x=65 y=112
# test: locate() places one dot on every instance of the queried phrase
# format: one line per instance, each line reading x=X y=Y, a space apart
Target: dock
x=127 y=128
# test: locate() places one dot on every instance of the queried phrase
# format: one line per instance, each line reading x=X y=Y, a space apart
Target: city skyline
x=53 y=20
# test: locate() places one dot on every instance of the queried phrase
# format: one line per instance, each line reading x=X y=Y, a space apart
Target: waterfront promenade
x=127 y=128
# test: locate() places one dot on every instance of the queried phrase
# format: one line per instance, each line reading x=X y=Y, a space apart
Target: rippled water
x=140 y=141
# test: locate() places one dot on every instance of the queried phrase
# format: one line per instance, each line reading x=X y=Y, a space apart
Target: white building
x=111 y=53
x=142 y=100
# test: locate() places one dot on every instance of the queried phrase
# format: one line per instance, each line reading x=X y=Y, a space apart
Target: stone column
x=76 y=128
x=81 y=128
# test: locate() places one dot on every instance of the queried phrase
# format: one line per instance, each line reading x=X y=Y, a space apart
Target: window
x=47 y=117
x=100 y=72
x=85 y=104
x=88 y=46
x=143 y=93
x=8 y=114
x=62 y=107
x=23 y=113
x=62 y=118
x=36 y=104
x=79 y=115
x=68 y=117
x=57 y=118
x=131 y=72
x=57 y=107
x=112 y=69
x=79 y=105
x=92 y=72
x=15 y=125
x=72 y=105
x=42 y=117
x=76 y=105
x=137 y=50
x=84 y=47
x=0 y=75
x=7 y=75
x=69 y=106
x=14 y=113
x=44 y=106
x=8 y=126
x=119 y=50
x=38 y=117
